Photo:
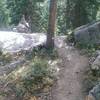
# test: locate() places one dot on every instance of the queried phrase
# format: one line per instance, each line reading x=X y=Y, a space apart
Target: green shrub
x=90 y=80
x=42 y=53
x=70 y=36
x=31 y=79
x=5 y=58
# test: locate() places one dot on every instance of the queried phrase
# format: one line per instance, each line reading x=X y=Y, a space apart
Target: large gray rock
x=23 y=26
x=14 y=42
x=95 y=92
x=96 y=64
x=88 y=34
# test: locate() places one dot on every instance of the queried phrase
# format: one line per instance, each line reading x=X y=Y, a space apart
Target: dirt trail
x=69 y=85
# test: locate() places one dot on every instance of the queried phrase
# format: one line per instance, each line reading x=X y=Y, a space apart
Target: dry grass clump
x=30 y=80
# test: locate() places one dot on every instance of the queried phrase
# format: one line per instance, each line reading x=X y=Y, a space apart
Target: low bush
x=5 y=58
x=31 y=79
x=42 y=53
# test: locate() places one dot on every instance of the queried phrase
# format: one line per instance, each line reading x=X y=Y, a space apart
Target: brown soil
x=69 y=85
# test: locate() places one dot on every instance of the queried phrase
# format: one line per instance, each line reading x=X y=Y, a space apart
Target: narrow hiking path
x=69 y=84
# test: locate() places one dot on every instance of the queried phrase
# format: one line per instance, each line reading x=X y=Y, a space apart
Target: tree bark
x=51 y=24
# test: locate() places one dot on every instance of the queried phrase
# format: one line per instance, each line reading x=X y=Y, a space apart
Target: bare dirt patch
x=70 y=81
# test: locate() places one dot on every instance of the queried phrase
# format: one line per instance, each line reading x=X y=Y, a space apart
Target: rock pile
x=88 y=34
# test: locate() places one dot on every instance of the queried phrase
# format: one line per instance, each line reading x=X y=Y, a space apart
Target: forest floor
x=69 y=85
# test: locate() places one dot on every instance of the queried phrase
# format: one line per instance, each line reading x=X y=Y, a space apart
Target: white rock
x=15 y=42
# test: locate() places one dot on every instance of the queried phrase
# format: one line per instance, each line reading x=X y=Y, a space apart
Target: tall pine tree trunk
x=51 y=25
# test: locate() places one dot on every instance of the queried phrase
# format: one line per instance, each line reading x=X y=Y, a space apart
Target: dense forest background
x=70 y=13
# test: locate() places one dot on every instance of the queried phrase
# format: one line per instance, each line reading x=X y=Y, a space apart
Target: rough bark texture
x=51 y=25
